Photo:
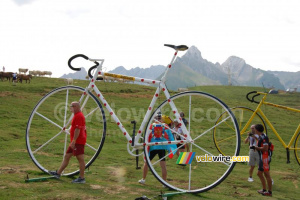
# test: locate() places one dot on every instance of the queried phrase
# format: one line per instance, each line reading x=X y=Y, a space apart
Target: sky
x=44 y=34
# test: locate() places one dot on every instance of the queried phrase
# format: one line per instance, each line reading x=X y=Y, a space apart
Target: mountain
x=194 y=60
x=193 y=70
x=243 y=74
x=76 y=75
x=182 y=75
x=151 y=73
x=288 y=79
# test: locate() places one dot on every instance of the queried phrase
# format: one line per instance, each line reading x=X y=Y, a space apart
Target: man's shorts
x=264 y=163
x=161 y=153
x=253 y=158
x=79 y=149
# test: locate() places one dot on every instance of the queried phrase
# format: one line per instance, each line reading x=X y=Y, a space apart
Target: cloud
x=76 y=12
x=292 y=61
x=23 y=2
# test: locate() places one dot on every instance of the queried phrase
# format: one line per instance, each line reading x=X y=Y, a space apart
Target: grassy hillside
x=113 y=174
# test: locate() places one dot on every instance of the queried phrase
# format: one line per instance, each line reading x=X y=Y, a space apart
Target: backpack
x=161 y=133
x=271 y=148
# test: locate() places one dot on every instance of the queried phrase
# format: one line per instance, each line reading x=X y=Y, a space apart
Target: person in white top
x=253 y=154
x=178 y=136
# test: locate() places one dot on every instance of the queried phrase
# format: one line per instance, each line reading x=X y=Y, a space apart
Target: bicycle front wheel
x=48 y=128
x=297 y=148
x=202 y=173
x=242 y=115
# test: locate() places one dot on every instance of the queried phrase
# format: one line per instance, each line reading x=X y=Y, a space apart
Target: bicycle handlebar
x=252 y=99
x=78 y=69
x=76 y=56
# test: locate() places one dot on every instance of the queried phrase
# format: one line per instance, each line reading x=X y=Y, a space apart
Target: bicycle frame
x=161 y=86
x=258 y=110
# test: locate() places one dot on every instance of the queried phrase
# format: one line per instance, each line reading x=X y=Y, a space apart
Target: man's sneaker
x=79 y=180
x=267 y=193
x=261 y=191
x=272 y=182
x=142 y=181
x=54 y=173
x=250 y=179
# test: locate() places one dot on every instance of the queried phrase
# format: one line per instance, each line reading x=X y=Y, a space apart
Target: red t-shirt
x=78 y=121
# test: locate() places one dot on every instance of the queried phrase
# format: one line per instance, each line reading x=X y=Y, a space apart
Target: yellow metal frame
x=258 y=110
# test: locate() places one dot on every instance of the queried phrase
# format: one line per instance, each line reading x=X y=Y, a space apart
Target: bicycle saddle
x=177 y=48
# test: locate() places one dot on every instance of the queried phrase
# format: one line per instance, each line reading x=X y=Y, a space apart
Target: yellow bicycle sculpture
x=246 y=116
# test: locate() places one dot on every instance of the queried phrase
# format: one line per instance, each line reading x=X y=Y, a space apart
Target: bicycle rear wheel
x=47 y=133
x=297 y=148
x=201 y=111
x=242 y=115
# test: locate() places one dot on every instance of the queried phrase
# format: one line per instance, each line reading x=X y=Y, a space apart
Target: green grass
x=113 y=174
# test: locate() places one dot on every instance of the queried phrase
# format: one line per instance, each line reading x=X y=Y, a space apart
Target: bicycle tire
x=242 y=114
x=297 y=148
x=47 y=120
x=196 y=177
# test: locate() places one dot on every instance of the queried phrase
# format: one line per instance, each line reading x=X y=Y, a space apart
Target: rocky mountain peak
x=234 y=61
x=193 y=53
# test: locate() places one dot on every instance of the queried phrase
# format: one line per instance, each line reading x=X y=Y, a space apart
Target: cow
x=22 y=70
x=38 y=72
x=69 y=81
x=6 y=75
x=22 y=77
x=183 y=89
x=42 y=73
x=48 y=73
x=33 y=73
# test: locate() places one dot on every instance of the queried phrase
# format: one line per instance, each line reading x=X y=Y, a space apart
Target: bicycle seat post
x=133 y=134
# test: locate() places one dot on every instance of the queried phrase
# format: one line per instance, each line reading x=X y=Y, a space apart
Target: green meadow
x=113 y=175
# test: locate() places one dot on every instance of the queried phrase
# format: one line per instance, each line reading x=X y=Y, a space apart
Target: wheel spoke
x=66 y=107
x=49 y=120
x=210 y=129
x=91 y=147
x=87 y=115
x=47 y=142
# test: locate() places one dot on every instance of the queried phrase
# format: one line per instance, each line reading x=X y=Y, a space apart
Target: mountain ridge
x=191 y=69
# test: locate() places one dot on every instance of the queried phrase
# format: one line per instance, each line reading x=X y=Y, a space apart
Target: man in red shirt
x=76 y=147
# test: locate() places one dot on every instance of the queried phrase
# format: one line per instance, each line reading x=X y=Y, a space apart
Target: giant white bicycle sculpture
x=47 y=132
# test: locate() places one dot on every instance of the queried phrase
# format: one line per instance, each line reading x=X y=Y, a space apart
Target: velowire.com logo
x=186 y=158
x=222 y=158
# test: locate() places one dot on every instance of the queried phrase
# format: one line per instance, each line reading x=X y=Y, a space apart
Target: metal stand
x=166 y=195
x=28 y=180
